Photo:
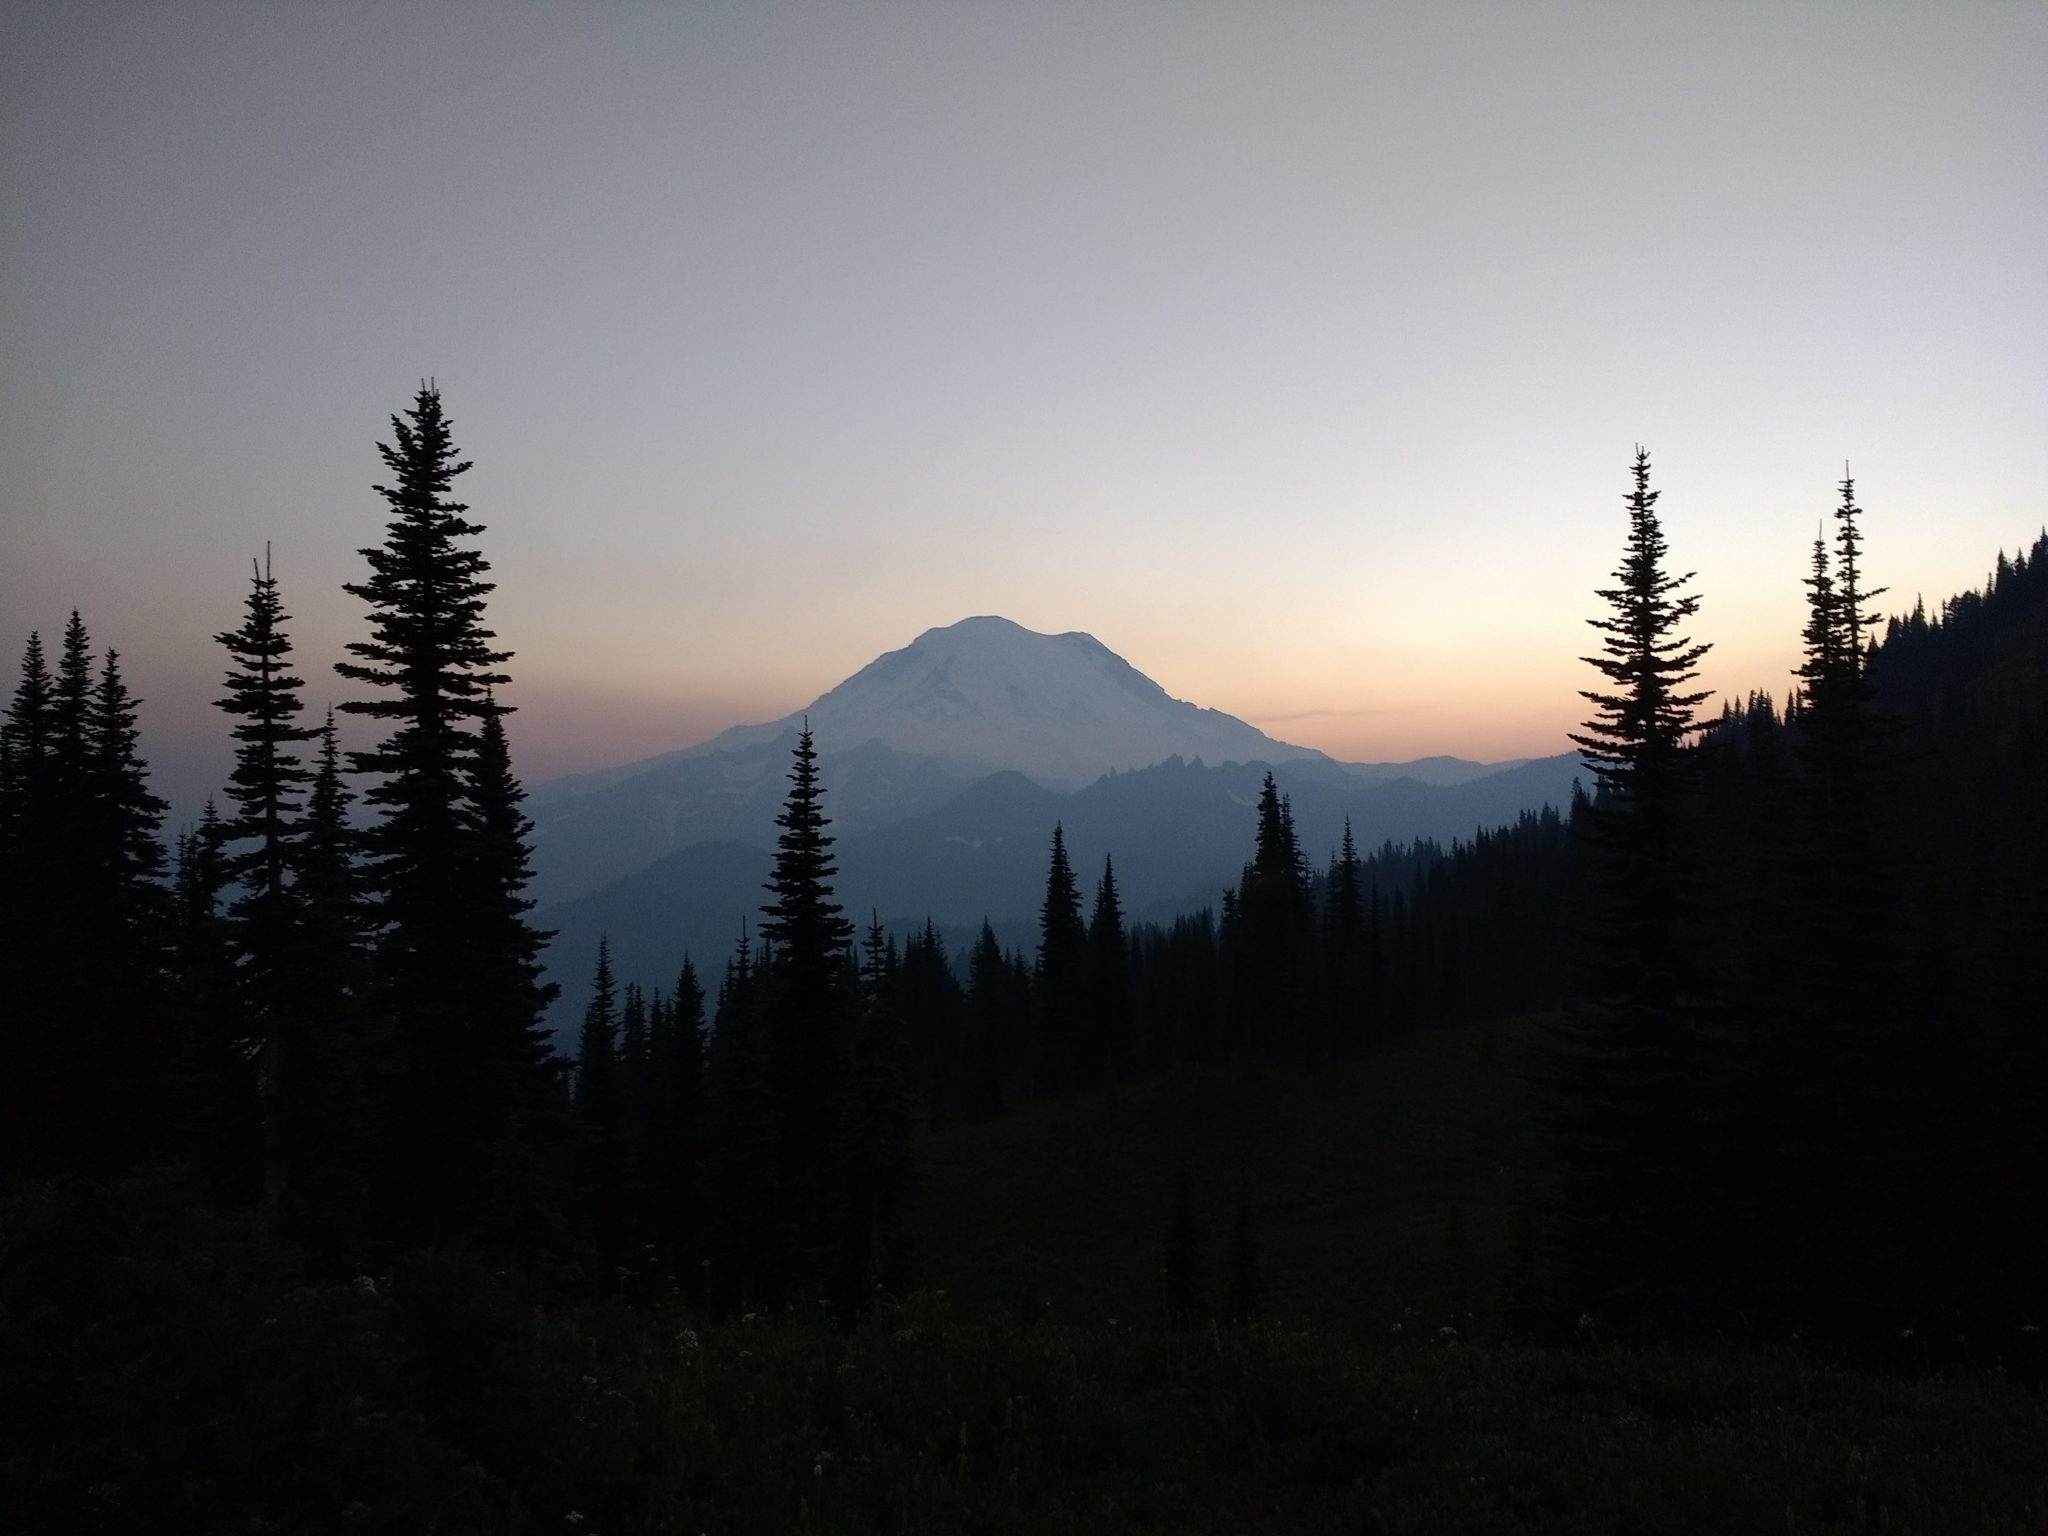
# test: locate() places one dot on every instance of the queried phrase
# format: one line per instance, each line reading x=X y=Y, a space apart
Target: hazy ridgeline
x=1790 y=1085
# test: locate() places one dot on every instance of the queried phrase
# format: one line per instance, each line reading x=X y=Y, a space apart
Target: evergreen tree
x=748 y=1263
x=1113 y=1038
x=88 y=919
x=454 y=960
x=600 y=1134
x=28 y=852
x=122 y=968
x=267 y=781
x=326 y=1093
x=210 y=1088
x=1270 y=954
x=1061 y=980
x=1344 y=964
x=673 y=1148
x=808 y=1005
x=934 y=1020
x=991 y=1029
x=1628 y=1071
x=876 y=1140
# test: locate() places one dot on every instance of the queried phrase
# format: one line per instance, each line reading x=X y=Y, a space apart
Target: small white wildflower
x=2029 y=1328
x=1905 y=1333
x=1586 y=1320
x=574 y=1517
x=1395 y=1329
x=1447 y=1332
x=365 y=1286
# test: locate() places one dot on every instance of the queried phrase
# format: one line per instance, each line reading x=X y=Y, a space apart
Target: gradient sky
x=1298 y=352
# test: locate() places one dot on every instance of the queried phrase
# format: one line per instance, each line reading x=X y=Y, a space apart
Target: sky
x=1296 y=352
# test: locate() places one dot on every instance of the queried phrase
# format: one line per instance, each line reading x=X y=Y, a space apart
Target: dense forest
x=1790 y=1091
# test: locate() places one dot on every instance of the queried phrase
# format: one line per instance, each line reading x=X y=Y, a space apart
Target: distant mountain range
x=946 y=764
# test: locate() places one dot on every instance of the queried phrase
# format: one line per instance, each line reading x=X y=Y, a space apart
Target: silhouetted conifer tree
x=1628 y=1069
x=809 y=1005
x=750 y=1243
x=992 y=1020
x=1060 y=983
x=1109 y=985
x=600 y=1133
x=674 y=1140
x=265 y=785
x=1270 y=955
x=455 y=959
x=209 y=1076
x=327 y=1096
x=879 y=1125
x=1344 y=960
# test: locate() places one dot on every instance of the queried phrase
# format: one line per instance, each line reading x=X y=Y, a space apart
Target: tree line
x=1794 y=1082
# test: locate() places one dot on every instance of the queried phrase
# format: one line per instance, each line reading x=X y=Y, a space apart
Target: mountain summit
x=899 y=738
x=987 y=694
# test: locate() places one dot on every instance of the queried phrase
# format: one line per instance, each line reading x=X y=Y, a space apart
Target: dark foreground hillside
x=1382 y=1191
x=192 y=1384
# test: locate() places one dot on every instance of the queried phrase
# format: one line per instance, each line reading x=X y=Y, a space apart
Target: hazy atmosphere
x=1143 y=768
x=1297 y=353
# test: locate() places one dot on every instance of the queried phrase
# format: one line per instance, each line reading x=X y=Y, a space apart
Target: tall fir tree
x=455 y=979
x=809 y=1004
x=27 y=854
x=266 y=785
x=599 y=1122
x=877 y=1136
x=1627 y=1071
x=1272 y=938
x=327 y=1092
x=1111 y=1028
x=1343 y=952
x=1060 y=981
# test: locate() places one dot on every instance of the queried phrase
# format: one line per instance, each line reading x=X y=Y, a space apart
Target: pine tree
x=748 y=1263
x=1270 y=951
x=27 y=856
x=454 y=959
x=876 y=1139
x=1061 y=978
x=1627 y=1070
x=600 y=1134
x=267 y=781
x=130 y=919
x=991 y=1024
x=210 y=1089
x=1344 y=964
x=808 y=1005
x=326 y=1093
x=1844 y=1194
x=1112 y=1034
x=673 y=1150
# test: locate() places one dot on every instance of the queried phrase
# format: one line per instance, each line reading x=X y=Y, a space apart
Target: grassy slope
x=1353 y=1172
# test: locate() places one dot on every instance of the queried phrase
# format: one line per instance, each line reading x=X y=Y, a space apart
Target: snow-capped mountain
x=986 y=694
x=897 y=739
x=906 y=735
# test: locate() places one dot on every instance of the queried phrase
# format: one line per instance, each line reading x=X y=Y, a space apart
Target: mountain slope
x=1178 y=831
x=899 y=738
